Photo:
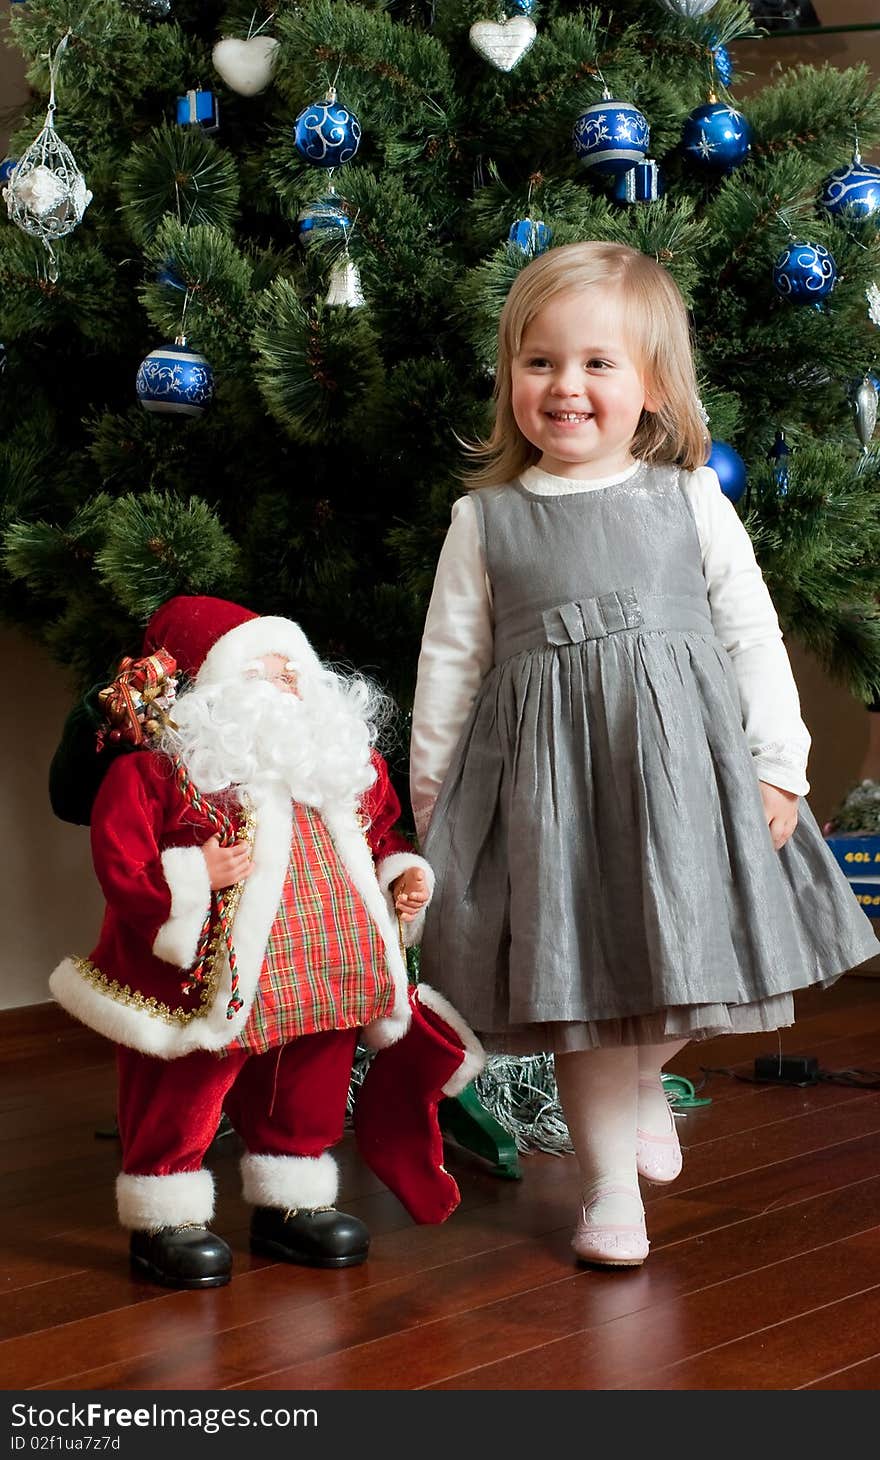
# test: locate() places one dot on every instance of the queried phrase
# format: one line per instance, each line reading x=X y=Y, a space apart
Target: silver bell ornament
x=865 y=411
x=46 y=195
x=345 y=284
x=691 y=9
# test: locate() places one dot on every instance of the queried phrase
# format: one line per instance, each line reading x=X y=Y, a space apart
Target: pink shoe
x=658 y=1158
x=610 y=1244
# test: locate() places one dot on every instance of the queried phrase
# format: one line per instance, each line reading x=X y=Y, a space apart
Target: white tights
x=606 y=1095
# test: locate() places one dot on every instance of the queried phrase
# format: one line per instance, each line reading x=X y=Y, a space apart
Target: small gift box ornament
x=199 y=109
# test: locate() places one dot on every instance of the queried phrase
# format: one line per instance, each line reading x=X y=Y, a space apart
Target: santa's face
x=277 y=671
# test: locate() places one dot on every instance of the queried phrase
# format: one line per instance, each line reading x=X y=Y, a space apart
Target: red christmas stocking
x=395 y=1114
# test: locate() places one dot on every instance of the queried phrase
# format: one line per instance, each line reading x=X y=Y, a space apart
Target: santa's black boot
x=294 y=1217
x=182 y=1257
x=320 y=1237
x=170 y=1241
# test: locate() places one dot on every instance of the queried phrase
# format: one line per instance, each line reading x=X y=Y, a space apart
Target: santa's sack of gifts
x=858 y=856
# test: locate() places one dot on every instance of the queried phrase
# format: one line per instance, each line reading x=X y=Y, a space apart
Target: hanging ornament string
x=267 y=21
x=218 y=910
x=47 y=195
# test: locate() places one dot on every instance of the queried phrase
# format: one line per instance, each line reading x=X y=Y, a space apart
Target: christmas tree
x=329 y=207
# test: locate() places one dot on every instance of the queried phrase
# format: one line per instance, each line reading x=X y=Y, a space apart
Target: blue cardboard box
x=858 y=856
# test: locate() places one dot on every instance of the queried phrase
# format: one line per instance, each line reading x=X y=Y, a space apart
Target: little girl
x=607 y=749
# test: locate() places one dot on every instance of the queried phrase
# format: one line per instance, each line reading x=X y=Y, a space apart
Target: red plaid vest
x=325 y=962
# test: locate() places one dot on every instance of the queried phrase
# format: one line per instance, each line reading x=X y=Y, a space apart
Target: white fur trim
x=290 y=1181
x=186 y=872
x=474 y=1057
x=146 y=1203
x=127 y=1024
x=387 y=871
x=252 y=639
x=351 y=844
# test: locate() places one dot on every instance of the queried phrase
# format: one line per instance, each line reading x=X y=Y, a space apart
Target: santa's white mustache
x=246 y=731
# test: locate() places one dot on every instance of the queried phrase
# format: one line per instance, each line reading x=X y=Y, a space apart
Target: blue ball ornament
x=7 y=168
x=175 y=380
x=522 y=7
x=326 y=133
x=322 y=220
x=730 y=469
x=530 y=236
x=854 y=189
x=611 y=136
x=804 y=272
x=716 y=136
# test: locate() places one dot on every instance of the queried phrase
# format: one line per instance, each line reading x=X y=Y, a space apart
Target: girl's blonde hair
x=658 y=333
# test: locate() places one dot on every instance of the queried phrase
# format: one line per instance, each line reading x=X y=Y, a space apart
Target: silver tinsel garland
x=519 y=1091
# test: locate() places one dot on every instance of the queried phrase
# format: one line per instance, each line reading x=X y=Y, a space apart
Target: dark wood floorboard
x=764 y=1271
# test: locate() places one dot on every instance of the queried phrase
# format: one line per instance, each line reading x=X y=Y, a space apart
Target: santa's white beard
x=246 y=732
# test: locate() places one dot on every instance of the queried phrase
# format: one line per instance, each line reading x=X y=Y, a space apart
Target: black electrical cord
x=861 y=1079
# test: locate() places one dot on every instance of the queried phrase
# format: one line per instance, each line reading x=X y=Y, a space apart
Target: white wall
x=49 y=903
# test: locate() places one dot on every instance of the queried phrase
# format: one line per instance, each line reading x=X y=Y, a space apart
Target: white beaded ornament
x=46 y=195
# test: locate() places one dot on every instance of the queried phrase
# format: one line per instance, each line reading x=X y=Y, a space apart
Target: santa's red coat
x=146 y=843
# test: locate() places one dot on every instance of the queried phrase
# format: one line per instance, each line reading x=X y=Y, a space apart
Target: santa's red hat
x=212 y=639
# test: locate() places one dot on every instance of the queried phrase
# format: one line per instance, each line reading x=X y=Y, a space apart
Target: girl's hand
x=410 y=892
x=781 y=811
x=226 y=865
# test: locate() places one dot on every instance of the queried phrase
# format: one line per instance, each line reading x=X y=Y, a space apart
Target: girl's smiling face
x=577 y=387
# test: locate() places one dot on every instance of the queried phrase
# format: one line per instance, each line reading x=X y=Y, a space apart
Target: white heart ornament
x=245 y=66
x=503 y=42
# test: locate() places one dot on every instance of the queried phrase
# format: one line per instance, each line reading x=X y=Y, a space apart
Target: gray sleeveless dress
x=604 y=870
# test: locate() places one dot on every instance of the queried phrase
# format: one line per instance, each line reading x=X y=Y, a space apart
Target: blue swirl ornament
x=730 y=469
x=854 y=189
x=716 y=136
x=804 y=273
x=530 y=236
x=7 y=168
x=611 y=136
x=174 y=380
x=723 y=64
x=326 y=133
x=640 y=184
x=322 y=220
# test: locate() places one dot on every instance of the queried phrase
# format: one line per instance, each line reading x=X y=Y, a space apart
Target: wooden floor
x=764 y=1271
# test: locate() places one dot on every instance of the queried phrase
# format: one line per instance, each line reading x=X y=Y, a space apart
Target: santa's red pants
x=287 y=1104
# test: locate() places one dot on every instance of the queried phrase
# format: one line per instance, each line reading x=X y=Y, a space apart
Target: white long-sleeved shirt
x=457 y=645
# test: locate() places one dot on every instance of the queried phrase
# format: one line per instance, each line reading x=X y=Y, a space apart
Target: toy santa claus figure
x=255 y=888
